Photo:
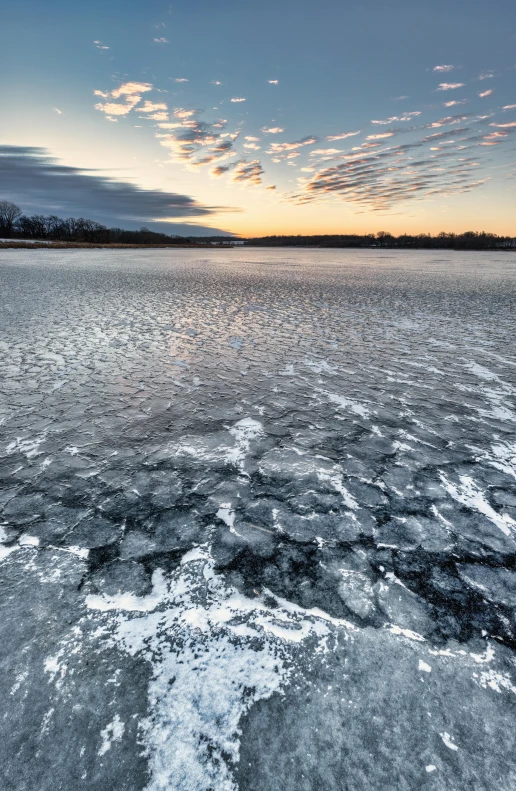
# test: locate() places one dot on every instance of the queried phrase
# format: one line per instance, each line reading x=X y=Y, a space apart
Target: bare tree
x=9 y=212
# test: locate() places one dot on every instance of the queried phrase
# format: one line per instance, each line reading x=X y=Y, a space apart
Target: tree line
x=15 y=224
x=470 y=240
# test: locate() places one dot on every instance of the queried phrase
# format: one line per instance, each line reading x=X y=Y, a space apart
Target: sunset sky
x=261 y=118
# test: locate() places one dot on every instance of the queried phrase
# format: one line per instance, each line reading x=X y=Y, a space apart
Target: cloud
x=221 y=170
x=449 y=86
x=443 y=68
x=248 y=172
x=157 y=117
x=454 y=102
x=342 y=135
x=449 y=119
x=486 y=93
x=129 y=91
x=444 y=135
x=180 y=112
x=509 y=107
x=238 y=99
x=272 y=130
x=195 y=142
x=186 y=143
x=31 y=177
x=325 y=152
x=151 y=107
x=276 y=148
x=384 y=177
x=161 y=40
x=404 y=117
x=495 y=135
x=380 y=136
x=273 y=82
x=100 y=45
x=58 y=111
x=510 y=125
x=486 y=75
x=181 y=79
x=216 y=82
x=251 y=138
x=252 y=146
x=117 y=108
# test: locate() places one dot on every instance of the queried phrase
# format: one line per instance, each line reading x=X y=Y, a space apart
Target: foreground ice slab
x=258 y=521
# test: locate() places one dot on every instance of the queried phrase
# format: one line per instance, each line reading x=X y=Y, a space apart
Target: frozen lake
x=258 y=520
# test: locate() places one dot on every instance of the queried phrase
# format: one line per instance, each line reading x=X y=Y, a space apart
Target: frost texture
x=257 y=520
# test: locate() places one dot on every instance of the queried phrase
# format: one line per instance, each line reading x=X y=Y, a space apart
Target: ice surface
x=257 y=520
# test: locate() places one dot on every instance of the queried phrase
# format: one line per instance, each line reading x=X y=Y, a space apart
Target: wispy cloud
x=161 y=116
x=161 y=40
x=394 y=118
x=129 y=91
x=221 y=170
x=325 y=152
x=449 y=86
x=486 y=75
x=342 y=135
x=380 y=180
x=447 y=121
x=151 y=107
x=100 y=45
x=495 y=135
x=509 y=107
x=380 y=136
x=195 y=142
x=58 y=111
x=276 y=148
x=380 y=177
x=248 y=173
x=374 y=172
x=118 y=108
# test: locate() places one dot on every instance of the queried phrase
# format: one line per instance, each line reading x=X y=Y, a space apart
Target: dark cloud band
x=34 y=179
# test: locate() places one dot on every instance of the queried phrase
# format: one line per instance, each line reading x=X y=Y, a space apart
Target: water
x=258 y=520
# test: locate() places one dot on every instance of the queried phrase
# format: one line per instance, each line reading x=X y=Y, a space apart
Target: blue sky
x=353 y=117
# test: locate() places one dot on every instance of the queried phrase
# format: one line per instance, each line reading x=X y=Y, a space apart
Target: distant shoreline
x=24 y=245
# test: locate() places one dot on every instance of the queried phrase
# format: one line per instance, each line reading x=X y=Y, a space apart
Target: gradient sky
x=259 y=118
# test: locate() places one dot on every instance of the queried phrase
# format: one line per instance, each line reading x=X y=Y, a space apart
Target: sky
x=284 y=117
